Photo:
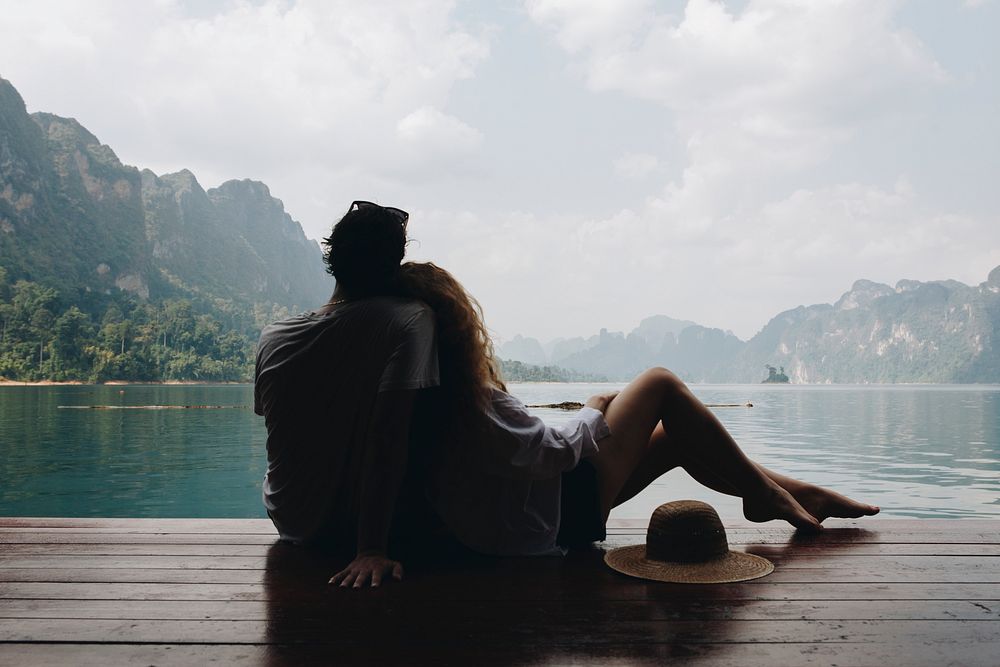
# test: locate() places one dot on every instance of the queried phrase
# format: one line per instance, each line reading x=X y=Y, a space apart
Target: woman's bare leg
x=659 y=396
x=663 y=454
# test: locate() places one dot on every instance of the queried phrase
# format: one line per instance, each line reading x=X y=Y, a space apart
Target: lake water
x=917 y=451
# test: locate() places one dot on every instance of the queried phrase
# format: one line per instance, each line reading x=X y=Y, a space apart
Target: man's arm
x=386 y=448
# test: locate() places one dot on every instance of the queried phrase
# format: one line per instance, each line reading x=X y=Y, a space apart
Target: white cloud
x=584 y=22
x=272 y=90
x=429 y=129
x=779 y=85
x=761 y=100
x=635 y=166
x=569 y=275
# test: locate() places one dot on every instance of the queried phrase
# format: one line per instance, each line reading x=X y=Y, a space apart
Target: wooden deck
x=190 y=592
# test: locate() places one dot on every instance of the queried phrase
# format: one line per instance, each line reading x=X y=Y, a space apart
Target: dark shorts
x=581 y=520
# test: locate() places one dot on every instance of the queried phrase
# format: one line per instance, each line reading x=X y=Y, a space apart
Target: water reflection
x=917 y=451
x=169 y=463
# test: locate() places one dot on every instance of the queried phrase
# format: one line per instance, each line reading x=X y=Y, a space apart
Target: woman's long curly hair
x=469 y=369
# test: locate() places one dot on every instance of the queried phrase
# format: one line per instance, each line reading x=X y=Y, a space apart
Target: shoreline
x=114 y=383
x=222 y=383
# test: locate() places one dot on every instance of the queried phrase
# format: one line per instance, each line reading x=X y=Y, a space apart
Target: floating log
x=152 y=407
x=573 y=405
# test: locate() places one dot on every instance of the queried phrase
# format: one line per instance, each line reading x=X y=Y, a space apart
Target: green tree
x=70 y=334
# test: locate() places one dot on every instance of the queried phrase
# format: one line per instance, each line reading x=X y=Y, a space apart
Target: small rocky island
x=775 y=375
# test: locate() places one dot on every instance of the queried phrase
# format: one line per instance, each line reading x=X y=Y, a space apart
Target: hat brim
x=734 y=566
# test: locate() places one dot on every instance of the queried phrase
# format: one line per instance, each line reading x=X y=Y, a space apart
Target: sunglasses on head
x=397 y=213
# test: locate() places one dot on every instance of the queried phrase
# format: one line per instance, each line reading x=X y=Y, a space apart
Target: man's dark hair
x=364 y=250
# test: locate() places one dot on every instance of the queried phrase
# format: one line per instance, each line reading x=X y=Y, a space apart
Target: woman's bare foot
x=777 y=503
x=824 y=503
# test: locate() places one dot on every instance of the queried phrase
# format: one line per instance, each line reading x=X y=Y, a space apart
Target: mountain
x=521 y=349
x=74 y=217
x=81 y=230
x=653 y=334
x=938 y=331
x=235 y=241
x=654 y=330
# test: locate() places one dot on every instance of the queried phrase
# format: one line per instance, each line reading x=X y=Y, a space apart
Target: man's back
x=317 y=379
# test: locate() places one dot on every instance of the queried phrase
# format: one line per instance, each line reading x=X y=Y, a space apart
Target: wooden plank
x=891 y=524
x=127 y=591
x=165 y=546
x=490 y=630
x=911 y=654
x=231 y=610
x=74 y=561
x=983 y=568
x=746 y=536
x=880 y=523
x=145 y=549
x=838 y=536
x=619 y=611
x=975 y=528
x=69 y=537
x=528 y=579
x=144 y=525
x=635 y=590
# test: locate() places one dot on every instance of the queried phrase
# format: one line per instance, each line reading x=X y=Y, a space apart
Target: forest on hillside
x=119 y=337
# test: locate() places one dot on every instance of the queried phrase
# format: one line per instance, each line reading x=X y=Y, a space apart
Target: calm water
x=918 y=451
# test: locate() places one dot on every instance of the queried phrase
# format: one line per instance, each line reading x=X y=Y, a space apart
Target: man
x=337 y=388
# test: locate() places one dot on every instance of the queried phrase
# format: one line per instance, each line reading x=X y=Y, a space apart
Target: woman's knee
x=663 y=379
x=664 y=384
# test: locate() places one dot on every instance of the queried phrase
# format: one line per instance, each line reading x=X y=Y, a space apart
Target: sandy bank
x=53 y=383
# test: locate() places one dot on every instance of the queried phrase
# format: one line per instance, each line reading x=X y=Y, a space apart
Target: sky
x=576 y=164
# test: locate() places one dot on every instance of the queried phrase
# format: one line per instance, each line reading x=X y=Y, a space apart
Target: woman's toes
x=824 y=503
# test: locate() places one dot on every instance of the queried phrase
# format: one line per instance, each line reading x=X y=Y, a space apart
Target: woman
x=507 y=484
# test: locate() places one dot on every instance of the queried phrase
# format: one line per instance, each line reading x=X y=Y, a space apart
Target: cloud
x=778 y=85
x=273 y=90
x=762 y=101
x=430 y=136
x=570 y=275
x=635 y=166
x=582 y=23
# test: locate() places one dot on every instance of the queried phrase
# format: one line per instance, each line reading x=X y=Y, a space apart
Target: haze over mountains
x=940 y=331
x=111 y=272
x=73 y=216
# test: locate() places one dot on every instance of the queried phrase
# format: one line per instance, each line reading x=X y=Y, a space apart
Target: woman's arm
x=524 y=447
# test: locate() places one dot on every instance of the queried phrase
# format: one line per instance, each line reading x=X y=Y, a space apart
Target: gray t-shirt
x=316 y=382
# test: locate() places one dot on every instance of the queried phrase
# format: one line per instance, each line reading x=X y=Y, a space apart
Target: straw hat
x=686 y=544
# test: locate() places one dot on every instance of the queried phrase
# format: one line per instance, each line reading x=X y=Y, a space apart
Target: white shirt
x=501 y=495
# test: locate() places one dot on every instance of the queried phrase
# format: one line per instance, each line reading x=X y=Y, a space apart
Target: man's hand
x=600 y=402
x=372 y=566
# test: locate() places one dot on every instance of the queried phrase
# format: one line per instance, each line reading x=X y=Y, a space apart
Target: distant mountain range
x=939 y=331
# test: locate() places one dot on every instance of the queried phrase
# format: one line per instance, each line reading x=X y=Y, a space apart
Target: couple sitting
x=388 y=424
